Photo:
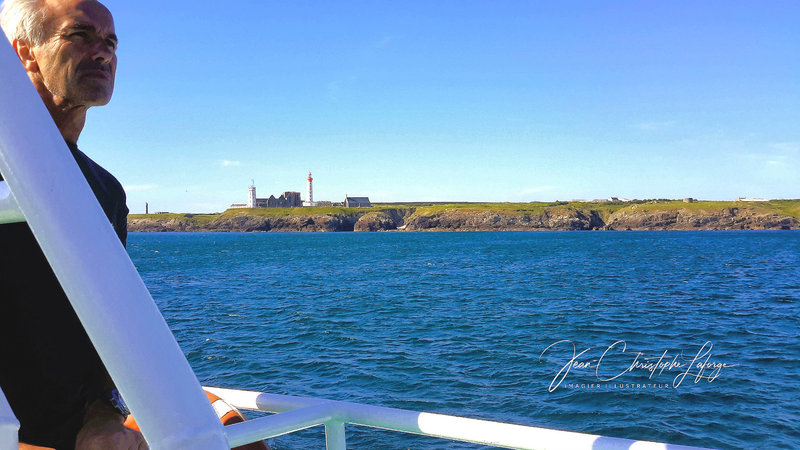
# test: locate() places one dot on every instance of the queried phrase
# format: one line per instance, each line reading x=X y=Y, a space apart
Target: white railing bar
x=478 y=431
x=267 y=427
x=258 y=401
x=100 y=280
x=9 y=211
x=9 y=425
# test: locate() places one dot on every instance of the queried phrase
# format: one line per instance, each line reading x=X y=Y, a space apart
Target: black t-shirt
x=49 y=369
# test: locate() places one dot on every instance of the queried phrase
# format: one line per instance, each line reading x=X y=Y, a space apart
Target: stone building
x=288 y=199
x=357 y=202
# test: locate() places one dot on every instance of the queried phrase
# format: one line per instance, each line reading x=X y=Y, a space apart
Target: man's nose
x=103 y=51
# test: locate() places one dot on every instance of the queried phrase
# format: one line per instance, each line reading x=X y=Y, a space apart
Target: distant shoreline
x=538 y=216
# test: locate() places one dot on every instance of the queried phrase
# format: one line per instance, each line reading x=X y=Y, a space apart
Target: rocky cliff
x=735 y=218
x=246 y=223
x=491 y=217
x=311 y=222
x=155 y=224
x=488 y=220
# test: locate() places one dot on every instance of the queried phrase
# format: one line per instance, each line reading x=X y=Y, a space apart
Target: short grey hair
x=24 y=20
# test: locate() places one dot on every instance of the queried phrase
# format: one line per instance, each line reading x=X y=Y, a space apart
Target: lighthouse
x=251 y=200
x=310 y=197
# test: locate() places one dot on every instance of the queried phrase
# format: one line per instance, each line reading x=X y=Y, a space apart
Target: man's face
x=77 y=63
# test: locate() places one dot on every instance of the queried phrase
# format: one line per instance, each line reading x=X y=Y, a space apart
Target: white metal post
x=96 y=273
x=335 y=438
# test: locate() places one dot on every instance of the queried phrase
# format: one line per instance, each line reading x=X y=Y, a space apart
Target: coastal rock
x=241 y=223
x=574 y=220
x=317 y=223
x=377 y=221
x=156 y=225
x=482 y=220
x=687 y=219
x=657 y=220
x=311 y=223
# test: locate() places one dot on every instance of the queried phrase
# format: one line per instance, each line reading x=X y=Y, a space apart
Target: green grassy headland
x=604 y=209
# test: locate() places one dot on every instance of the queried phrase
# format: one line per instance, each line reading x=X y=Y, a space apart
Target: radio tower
x=310 y=200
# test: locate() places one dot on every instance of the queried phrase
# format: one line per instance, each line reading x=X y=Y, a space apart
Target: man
x=49 y=370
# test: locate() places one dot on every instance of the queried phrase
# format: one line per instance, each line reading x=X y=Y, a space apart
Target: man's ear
x=25 y=54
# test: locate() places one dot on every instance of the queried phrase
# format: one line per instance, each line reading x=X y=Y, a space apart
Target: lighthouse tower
x=310 y=198
x=251 y=200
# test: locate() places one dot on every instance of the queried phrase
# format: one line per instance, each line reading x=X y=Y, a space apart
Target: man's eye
x=80 y=34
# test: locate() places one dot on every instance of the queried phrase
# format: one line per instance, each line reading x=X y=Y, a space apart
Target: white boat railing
x=308 y=412
x=46 y=188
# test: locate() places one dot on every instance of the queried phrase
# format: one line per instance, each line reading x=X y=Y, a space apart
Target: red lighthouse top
x=309 y=177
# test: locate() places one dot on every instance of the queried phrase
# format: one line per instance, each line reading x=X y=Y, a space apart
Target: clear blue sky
x=451 y=100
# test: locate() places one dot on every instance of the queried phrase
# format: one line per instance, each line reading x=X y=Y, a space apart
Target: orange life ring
x=227 y=415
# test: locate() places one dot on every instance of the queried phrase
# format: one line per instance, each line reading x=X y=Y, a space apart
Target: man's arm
x=23 y=446
x=103 y=428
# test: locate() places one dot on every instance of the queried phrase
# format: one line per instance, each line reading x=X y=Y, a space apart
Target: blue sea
x=681 y=337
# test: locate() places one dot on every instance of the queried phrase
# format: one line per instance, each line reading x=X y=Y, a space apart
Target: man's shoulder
x=92 y=169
